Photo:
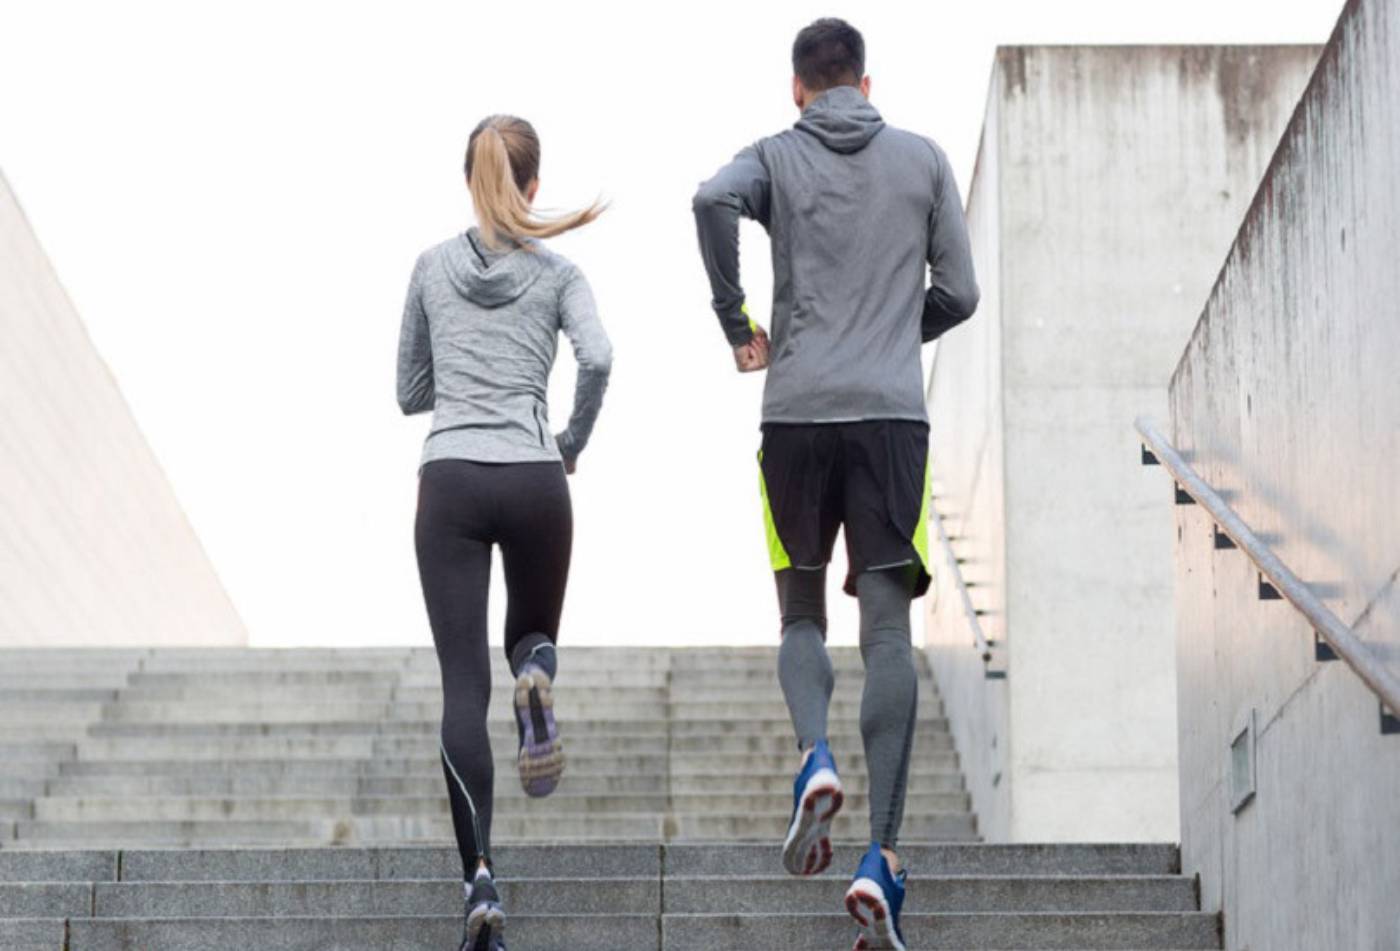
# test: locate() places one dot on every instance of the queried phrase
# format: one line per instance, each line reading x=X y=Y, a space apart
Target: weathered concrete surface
x=1110 y=184
x=94 y=547
x=1287 y=399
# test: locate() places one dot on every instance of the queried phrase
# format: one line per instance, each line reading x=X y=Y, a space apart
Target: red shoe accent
x=853 y=908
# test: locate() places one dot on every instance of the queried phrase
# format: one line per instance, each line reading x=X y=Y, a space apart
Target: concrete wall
x=1119 y=177
x=969 y=492
x=94 y=548
x=1288 y=399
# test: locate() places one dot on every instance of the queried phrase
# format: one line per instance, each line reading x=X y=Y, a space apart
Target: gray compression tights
x=889 y=701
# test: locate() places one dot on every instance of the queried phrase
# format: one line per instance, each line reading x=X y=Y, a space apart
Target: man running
x=857 y=212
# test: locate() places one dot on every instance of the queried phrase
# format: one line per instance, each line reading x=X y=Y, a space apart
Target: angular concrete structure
x=94 y=547
x=1109 y=185
x=1287 y=401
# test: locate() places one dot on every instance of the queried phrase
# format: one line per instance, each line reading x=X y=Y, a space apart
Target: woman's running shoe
x=486 y=920
x=541 y=757
x=816 y=798
x=874 y=901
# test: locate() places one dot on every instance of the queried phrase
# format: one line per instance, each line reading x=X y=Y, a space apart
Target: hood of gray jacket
x=490 y=277
x=842 y=118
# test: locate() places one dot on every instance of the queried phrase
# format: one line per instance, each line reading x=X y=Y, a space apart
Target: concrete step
x=502 y=725
x=280 y=808
x=990 y=894
x=848 y=756
x=568 y=707
x=580 y=764
x=45 y=900
x=268 y=783
x=965 y=932
x=355 y=863
x=33 y=934
x=16 y=809
x=779 y=894
x=679 y=860
x=68 y=865
x=547 y=896
x=12 y=751
x=401 y=933
x=15 y=787
x=691 y=860
x=298 y=779
x=508 y=826
x=849 y=826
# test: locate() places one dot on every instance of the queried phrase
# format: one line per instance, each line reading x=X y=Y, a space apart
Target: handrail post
x=1275 y=578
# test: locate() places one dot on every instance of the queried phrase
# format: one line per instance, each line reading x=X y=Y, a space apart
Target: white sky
x=234 y=195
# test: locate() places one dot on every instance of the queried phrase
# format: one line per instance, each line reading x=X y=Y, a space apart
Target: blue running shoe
x=816 y=798
x=486 y=920
x=874 y=901
x=541 y=758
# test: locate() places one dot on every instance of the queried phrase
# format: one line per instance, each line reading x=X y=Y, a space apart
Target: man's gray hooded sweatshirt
x=480 y=331
x=858 y=213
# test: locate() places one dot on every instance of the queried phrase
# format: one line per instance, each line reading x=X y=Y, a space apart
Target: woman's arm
x=415 y=377
x=593 y=351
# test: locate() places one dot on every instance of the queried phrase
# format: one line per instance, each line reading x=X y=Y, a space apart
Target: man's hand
x=754 y=355
x=570 y=465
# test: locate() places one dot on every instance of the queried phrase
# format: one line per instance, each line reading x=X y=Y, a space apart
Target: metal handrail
x=980 y=641
x=1337 y=634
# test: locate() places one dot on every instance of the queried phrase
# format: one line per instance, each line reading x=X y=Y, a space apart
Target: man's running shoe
x=486 y=920
x=541 y=757
x=816 y=798
x=874 y=901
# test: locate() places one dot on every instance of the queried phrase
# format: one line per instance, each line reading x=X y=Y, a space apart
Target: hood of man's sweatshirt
x=490 y=277
x=842 y=118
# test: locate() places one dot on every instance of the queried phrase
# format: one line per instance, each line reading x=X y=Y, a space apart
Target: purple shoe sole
x=541 y=759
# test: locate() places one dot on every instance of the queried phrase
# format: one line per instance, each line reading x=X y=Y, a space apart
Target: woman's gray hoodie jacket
x=480 y=331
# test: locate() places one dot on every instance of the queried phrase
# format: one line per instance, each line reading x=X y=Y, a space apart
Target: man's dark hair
x=829 y=52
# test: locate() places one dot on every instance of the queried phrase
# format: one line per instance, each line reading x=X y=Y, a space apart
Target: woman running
x=480 y=330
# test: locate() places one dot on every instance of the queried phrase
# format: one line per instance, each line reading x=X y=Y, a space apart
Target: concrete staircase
x=181 y=799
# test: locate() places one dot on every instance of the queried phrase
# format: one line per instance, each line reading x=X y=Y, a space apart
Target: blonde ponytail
x=503 y=158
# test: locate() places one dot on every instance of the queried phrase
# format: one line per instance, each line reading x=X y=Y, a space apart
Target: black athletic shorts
x=871 y=477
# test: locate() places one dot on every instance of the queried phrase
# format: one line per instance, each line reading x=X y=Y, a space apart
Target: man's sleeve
x=952 y=294
x=740 y=188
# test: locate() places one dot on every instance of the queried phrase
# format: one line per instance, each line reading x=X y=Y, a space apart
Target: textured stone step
x=499 y=726
x=849 y=826
x=784 y=894
x=687 y=860
x=281 y=808
x=965 y=932
x=31 y=693
x=32 y=934
x=779 y=894
x=41 y=750
x=15 y=787
x=537 y=896
x=69 y=865
x=635 y=715
x=580 y=764
x=45 y=899
x=573 y=931
x=785 y=760
x=432 y=862
x=16 y=809
x=925 y=742
x=365 y=830
x=275 y=782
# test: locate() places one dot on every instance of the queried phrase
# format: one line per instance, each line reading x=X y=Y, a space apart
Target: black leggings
x=464 y=508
